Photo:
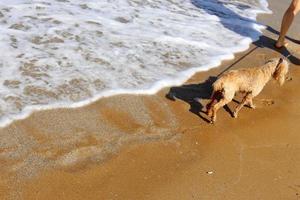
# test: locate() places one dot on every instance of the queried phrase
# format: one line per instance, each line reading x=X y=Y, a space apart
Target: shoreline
x=183 y=77
x=237 y=152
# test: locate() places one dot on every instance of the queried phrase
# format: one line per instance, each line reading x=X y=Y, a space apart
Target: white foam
x=71 y=53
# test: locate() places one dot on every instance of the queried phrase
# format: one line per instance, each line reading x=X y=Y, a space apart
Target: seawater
x=68 y=53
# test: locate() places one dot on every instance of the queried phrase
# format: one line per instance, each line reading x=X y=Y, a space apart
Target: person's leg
x=287 y=20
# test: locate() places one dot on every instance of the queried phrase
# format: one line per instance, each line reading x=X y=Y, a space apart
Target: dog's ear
x=280 y=72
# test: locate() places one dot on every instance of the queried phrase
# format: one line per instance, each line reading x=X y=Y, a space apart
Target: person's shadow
x=267 y=42
x=229 y=19
x=272 y=30
x=244 y=26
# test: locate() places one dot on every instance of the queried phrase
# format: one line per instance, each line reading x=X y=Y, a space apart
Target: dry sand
x=150 y=147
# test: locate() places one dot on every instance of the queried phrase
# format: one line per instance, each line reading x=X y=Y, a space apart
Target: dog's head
x=281 y=70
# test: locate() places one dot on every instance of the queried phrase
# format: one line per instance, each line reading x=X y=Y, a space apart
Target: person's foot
x=280 y=43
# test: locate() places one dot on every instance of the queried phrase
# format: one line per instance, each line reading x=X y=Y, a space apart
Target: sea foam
x=68 y=53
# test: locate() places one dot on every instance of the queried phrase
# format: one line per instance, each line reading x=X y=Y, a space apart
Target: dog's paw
x=234 y=115
x=212 y=122
x=252 y=106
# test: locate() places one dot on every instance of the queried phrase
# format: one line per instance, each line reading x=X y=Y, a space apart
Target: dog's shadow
x=193 y=94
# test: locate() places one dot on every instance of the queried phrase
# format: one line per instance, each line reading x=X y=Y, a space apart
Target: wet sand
x=153 y=147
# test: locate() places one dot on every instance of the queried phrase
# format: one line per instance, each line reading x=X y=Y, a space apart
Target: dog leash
x=290 y=54
x=237 y=61
x=251 y=51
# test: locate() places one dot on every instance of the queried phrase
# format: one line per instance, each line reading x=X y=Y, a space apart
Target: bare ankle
x=280 y=42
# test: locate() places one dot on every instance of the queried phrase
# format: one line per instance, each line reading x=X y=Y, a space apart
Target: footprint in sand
x=288 y=79
x=267 y=102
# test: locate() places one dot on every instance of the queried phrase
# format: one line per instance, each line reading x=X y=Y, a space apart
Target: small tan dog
x=250 y=81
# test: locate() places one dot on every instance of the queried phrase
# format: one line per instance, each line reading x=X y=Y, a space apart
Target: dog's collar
x=278 y=64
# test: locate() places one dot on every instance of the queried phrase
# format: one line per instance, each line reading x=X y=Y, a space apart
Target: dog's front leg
x=247 y=99
x=250 y=103
x=216 y=107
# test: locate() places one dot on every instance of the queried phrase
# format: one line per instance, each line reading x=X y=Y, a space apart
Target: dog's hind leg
x=246 y=100
x=227 y=97
x=217 y=95
x=209 y=107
